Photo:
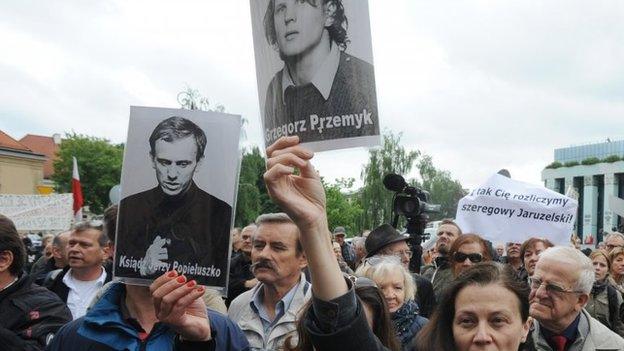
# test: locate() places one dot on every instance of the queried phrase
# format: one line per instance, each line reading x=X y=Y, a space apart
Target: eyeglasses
x=407 y=253
x=473 y=257
x=360 y=282
x=535 y=284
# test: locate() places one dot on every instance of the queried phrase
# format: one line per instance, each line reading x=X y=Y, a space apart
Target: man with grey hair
x=613 y=240
x=241 y=277
x=267 y=313
x=360 y=250
x=560 y=288
x=57 y=261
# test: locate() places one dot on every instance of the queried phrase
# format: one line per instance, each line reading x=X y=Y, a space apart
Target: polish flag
x=77 y=191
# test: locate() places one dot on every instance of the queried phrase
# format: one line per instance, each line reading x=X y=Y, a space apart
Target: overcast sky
x=479 y=85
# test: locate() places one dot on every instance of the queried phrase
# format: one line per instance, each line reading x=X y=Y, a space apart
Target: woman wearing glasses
x=399 y=290
x=604 y=301
x=466 y=251
x=484 y=308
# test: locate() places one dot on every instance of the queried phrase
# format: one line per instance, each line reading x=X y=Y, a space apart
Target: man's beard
x=443 y=250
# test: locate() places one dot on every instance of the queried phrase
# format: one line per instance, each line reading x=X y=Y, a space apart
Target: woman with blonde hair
x=616 y=257
x=605 y=300
x=398 y=289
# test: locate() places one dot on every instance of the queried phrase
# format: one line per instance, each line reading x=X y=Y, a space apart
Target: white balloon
x=115 y=194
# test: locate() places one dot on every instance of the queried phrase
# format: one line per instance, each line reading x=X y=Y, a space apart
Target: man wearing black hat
x=385 y=240
x=348 y=253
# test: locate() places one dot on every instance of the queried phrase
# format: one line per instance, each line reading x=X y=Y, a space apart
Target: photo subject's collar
x=323 y=79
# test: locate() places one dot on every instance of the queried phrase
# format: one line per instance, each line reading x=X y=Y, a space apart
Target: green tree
x=443 y=190
x=99 y=166
x=253 y=198
x=192 y=99
x=342 y=209
x=375 y=199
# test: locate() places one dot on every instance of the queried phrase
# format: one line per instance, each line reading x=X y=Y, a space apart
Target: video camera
x=412 y=203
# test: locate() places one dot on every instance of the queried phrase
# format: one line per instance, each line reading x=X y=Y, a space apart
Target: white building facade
x=596 y=174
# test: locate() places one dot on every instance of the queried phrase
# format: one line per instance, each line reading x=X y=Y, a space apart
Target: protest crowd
x=295 y=284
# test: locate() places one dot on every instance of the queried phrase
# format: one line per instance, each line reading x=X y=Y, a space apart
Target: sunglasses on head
x=473 y=257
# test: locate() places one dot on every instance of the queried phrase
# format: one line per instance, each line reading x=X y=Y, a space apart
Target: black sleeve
x=340 y=325
x=425 y=296
x=237 y=280
x=180 y=345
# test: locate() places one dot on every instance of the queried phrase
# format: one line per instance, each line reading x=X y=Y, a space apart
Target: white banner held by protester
x=507 y=210
x=38 y=212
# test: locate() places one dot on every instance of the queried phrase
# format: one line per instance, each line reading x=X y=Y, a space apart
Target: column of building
x=610 y=189
x=590 y=206
x=550 y=183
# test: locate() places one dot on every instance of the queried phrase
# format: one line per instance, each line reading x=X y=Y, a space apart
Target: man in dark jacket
x=241 y=277
x=29 y=314
x=58 y=259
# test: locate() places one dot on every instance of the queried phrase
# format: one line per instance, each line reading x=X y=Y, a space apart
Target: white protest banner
x=507 y=210
x=38 y=212
x=315 y=73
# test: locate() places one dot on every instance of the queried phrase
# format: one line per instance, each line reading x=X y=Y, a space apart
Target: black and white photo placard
x=314 y=67
x=179 y=183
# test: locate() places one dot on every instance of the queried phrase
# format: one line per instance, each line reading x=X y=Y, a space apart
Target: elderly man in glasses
x=78 y=283
x=614 y=240
x=560 y=288
x=385 y=240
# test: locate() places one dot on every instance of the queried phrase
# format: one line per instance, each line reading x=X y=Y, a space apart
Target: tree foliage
x=342 y=209
x=99 y=166
x=253 y=198
x=192 y=99
x=443 y=190
x=375 y=199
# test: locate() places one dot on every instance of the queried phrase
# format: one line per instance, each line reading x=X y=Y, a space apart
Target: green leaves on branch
x=375 y=199
x=99 y=166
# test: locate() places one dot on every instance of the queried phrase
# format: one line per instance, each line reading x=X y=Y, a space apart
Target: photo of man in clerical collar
x=175 y=224
x=321 y=92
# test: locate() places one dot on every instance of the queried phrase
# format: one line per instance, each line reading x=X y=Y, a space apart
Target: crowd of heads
x=556 y=286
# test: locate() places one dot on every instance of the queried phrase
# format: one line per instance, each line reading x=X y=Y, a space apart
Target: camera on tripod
x=412 y=203
x=409 y=201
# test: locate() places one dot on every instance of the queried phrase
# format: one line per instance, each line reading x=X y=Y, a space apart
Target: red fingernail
x=200 y=289
x=181 y=279
x=171 y=274
x=191 y=284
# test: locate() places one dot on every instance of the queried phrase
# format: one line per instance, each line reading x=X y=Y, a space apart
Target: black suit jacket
x=196 y=223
